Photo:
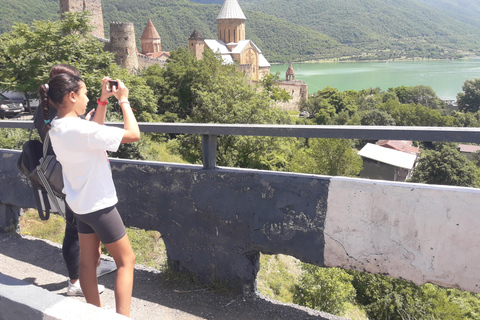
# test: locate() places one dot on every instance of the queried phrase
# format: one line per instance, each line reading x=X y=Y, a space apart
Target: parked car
x=304 y=114
x=9 y=108
x=19 y=97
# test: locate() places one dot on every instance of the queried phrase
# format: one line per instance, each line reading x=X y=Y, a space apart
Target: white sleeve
x=106 y=138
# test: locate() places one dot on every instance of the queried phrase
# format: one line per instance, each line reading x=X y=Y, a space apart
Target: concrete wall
x=215 y=222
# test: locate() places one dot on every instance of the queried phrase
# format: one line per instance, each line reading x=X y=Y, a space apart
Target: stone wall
x=297 y=89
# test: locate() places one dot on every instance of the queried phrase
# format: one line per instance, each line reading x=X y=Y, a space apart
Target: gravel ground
x=40 y=263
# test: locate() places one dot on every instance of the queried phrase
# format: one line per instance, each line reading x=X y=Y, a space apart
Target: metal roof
x=389 y=156
x=231 y=10
x=218 y=46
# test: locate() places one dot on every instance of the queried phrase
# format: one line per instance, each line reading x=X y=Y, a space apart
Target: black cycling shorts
x=106 y=223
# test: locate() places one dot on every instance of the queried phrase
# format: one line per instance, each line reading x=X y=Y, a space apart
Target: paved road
x=40 y=263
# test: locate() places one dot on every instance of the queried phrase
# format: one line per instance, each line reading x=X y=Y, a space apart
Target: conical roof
x=231 y=10
x=150 y=32
x=196 y=35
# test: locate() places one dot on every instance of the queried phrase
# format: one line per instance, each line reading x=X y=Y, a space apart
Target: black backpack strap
x=44 y=164
x=36 y=195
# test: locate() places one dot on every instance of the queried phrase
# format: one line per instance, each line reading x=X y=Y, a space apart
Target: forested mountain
x=380 y=24
x=298 y=30
x=466 y=10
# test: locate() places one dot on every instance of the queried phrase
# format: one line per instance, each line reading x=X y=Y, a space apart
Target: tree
x=469 y=99
x=420 y=94
x=270 y=86
x=376 y=118
x=28 y=52
x=325 y=289
x=334 y=157
x=207 y=91
x=388 y=298
x=445 y=165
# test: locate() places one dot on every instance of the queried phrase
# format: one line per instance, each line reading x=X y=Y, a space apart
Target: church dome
x=231 y=10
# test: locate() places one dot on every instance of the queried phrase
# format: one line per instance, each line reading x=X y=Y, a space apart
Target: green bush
x=326 y=289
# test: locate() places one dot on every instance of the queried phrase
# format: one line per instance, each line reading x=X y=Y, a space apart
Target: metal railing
x=210 y=132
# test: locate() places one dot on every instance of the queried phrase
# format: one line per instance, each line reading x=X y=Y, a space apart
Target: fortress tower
x=122 y=43
x=93 y=6
x=196 y=44
x=231 y=22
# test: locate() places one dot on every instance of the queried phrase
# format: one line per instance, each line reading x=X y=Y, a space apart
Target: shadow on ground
x=40 y=263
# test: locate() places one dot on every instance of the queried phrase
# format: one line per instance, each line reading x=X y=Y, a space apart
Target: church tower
x=290 y=73
x=231 y=22
x=93 y=6
x=196 y=43
x=151 y=41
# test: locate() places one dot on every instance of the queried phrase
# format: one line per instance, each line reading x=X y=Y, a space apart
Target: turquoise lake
x=446 y=77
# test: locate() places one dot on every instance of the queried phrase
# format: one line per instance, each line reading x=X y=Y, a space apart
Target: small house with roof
x=468 y=150
x=385 y=163
x=400 y=145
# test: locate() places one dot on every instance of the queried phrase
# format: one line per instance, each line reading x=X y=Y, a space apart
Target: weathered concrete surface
x=421 y=233
x=215 y=222
x=21 y=300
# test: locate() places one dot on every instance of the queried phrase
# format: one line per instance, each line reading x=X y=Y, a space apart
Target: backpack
x=41 y=171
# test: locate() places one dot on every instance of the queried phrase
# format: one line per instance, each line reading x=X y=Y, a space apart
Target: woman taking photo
x=90 y=193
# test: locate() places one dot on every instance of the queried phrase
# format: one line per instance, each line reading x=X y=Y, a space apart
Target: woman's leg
x=70 y=247
x=122 y=253
x=89 y=255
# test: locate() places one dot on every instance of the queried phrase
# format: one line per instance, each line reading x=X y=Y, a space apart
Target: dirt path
x=40 y=263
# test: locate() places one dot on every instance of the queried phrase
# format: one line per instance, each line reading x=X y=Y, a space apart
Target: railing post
x=209 y=151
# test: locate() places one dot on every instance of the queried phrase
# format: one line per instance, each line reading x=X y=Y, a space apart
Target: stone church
x=231 y=43
x=233 y=47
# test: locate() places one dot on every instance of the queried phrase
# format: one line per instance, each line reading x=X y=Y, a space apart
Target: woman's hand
x=120 y=92
x=105 y=93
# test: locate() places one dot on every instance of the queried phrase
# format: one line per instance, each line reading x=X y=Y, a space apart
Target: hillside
x=467 y=11
x=298 y=30
x=366 y=22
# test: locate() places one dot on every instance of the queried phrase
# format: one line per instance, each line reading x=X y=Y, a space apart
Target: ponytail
x=43 y=93
x=52 y=93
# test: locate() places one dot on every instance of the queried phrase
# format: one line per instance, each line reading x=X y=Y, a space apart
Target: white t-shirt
x=80 y=147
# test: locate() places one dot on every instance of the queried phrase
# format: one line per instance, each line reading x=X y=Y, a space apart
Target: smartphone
x=111 y=84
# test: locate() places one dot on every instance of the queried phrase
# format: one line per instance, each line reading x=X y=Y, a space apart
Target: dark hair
x=63 y=68
x=53 y=93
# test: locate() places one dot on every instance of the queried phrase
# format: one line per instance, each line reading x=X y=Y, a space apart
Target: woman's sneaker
x=74 y=289
x=105 y=267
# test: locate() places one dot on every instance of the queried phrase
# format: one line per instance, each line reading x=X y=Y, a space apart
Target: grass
x=148 y=245
x=52 y=229
x=276 y=279
x=277 y=276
